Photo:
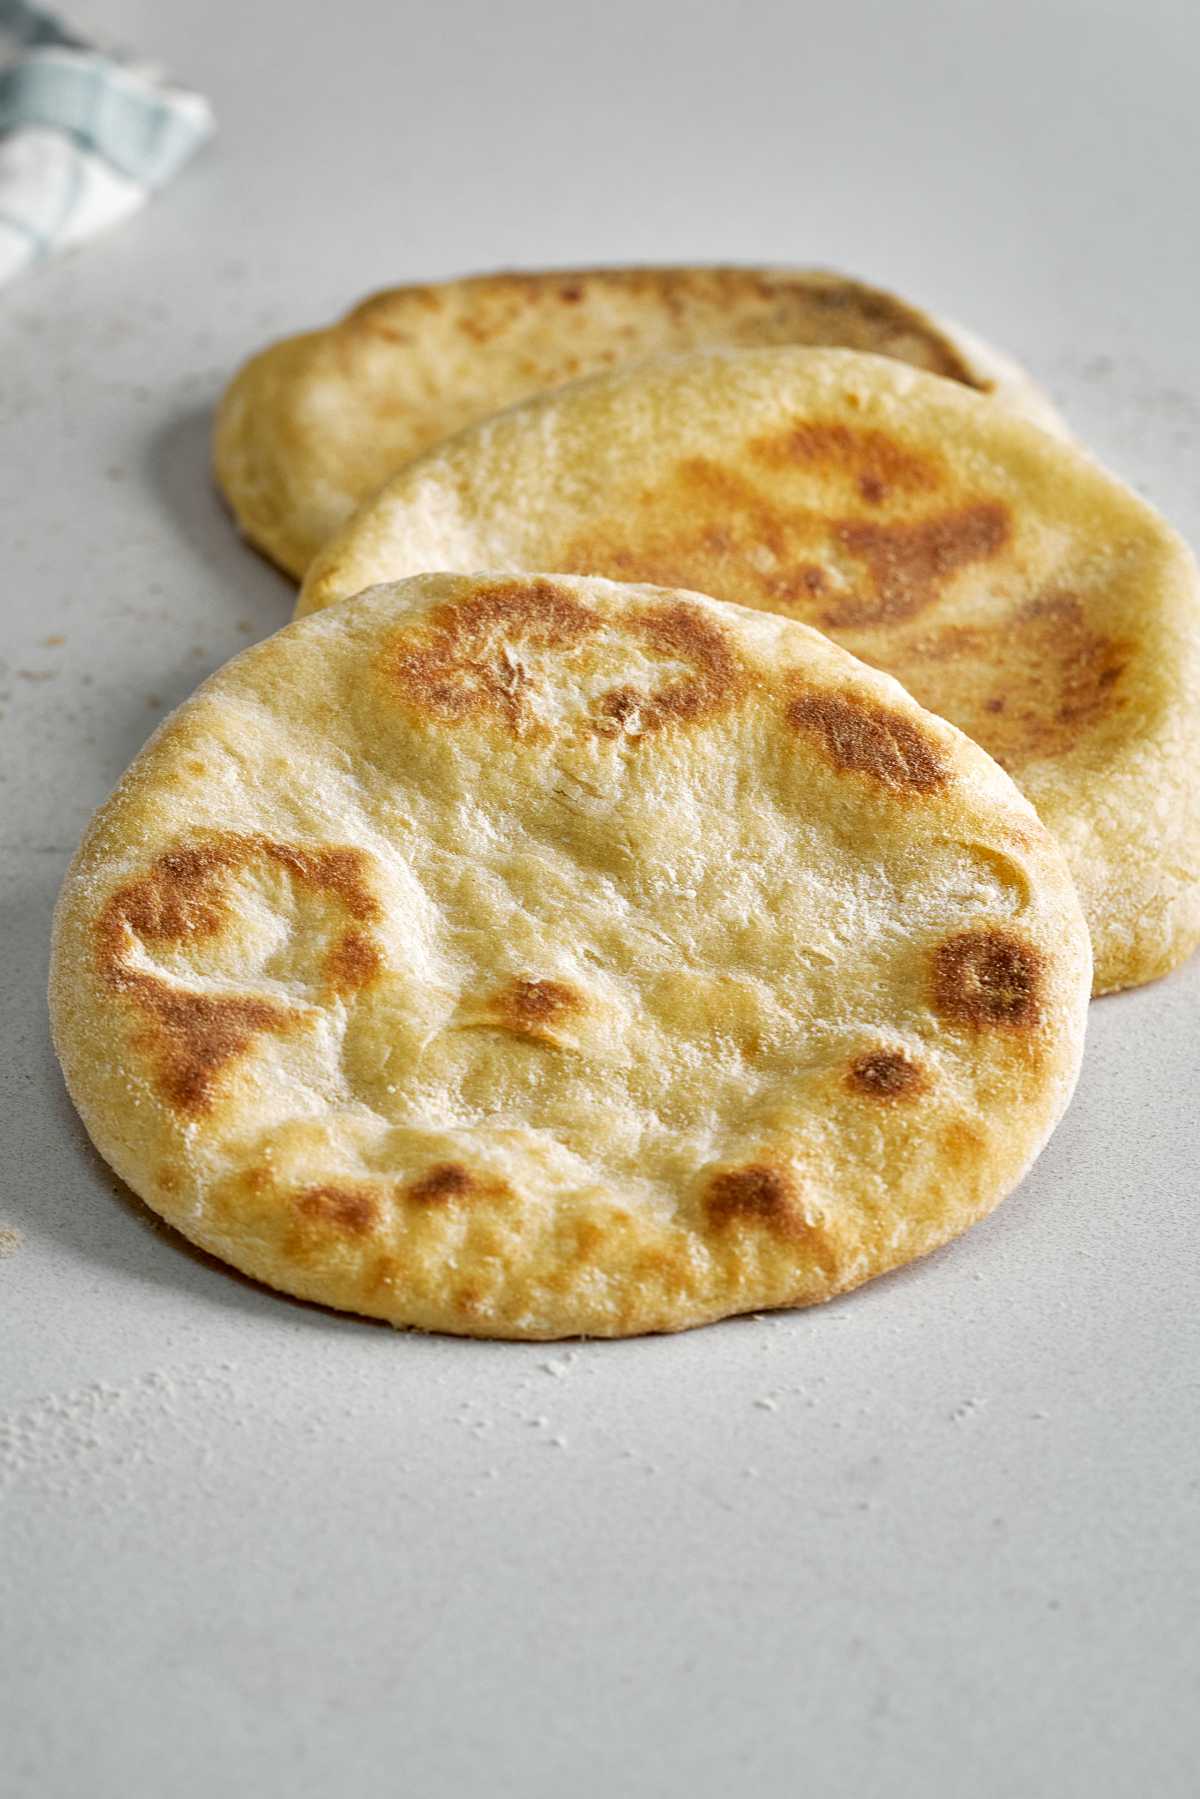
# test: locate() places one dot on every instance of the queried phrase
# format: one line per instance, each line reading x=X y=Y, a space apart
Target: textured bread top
x=1011 y=583
x=528 y=957
x=315 y=424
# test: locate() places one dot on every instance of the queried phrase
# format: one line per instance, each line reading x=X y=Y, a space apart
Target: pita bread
x=521 y=958
x=1003 y=576
x=312 y=426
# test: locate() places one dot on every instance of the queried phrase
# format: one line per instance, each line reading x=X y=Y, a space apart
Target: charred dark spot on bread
x=988 y=978
x=860 y=736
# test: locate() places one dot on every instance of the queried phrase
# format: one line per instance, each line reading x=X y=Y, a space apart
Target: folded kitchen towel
x=85 y=135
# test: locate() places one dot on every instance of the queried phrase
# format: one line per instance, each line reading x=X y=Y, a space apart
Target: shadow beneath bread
x=248 y=591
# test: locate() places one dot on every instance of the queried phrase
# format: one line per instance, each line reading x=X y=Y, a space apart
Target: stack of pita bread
x=728 y=731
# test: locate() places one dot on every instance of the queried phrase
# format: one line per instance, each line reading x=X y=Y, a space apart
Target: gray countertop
x=938 y=1539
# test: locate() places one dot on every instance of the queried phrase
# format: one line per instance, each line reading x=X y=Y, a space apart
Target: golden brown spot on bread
x=790 y=590
x=810 y=578
x=380 y=327
x=468 y=658
x=526 y=1005
x=988 y=977
x=872 y=460
x=353 y=962
x=445 y=1181
x=705 y=525
x=617 y=709
x=461 y=662
x=347 y=1208
x=701 y=482
x=385 y=1272
x=341 y=872
x=911 y=560
x=193 y=1037
x=887 y=1074
x=964 y=1145
x=168 y=1178
x=862 y=737
x=183 y=897
x=177 y=899
x=1029 y=685
x=704 y=512
x=589 y=1237
x=582 y=1244
x=763 y=1198
x=757 y=1194
x=1090 y=665
x=664 y=1271
x=685 y=634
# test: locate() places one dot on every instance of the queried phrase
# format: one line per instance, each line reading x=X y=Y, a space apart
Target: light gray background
x=939 y=1539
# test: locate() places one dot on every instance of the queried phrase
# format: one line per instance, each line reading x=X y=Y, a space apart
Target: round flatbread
x=526 y=957
x=1008 y=581
x=315 y=424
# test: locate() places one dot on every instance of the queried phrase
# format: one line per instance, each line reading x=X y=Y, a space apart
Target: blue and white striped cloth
x=85 y=136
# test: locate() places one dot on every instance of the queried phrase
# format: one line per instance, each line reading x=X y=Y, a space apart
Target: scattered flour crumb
x=68 y=1442
x=11 y=1240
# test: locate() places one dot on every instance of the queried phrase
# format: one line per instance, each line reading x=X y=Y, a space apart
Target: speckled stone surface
x=941 y=1538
